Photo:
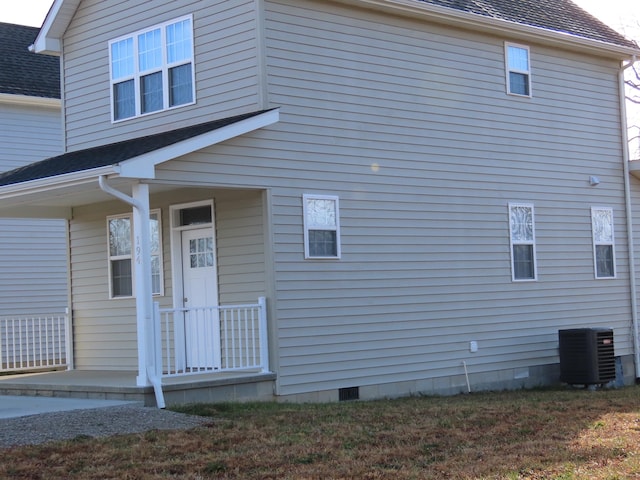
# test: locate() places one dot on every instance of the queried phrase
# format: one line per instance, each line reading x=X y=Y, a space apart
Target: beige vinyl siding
x=105 y=329
x=425 y=236
x=225 y=66
x=20 y=124
x=409 y=124
x=241 y=246
x=33 y=265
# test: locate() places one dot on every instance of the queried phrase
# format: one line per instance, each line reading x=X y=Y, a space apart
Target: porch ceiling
x=57 y=201
x=54 y=201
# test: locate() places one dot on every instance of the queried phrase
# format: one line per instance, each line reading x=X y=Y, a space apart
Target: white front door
x=200 y=288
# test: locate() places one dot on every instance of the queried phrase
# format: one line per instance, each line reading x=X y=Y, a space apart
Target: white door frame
x=176 y=264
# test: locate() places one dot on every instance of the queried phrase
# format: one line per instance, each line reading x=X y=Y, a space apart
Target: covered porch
x=144 y=325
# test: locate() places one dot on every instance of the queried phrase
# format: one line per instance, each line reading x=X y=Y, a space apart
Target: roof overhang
x=472 y=21
x=49 y=40
x=54 y=197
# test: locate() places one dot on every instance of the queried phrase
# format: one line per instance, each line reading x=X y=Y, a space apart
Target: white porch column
x=142 y=272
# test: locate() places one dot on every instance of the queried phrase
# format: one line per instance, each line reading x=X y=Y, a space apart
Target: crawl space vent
x=349 y=393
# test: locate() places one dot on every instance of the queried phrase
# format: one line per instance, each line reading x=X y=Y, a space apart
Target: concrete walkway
x=13 y=406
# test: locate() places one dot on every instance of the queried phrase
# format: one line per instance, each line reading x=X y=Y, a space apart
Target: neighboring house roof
x=23 y=72
x=114 y=153
x=557 y=15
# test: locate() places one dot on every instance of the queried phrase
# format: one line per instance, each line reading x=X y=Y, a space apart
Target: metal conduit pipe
x=629 y=216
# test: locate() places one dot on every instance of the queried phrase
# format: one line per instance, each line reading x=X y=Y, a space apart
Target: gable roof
x=539 y=17
x=114 y=153
x=562 y=16
x=23 y=72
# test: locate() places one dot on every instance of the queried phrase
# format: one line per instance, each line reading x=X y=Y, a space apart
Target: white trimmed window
x=523 y=242
x=518 y=69
x=321 y=226
x=152 y=70
x=603 y=242
x=120 y=235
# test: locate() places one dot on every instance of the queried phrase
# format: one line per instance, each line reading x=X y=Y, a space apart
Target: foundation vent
x=349 y=393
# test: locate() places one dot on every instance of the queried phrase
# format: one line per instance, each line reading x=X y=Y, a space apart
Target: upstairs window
x=152 y=70
x=518 y=69
x=321 y=226
x=603 y=242
x=523 y=242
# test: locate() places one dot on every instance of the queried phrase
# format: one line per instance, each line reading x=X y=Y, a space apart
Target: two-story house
x=323 y=200
x=33 y=252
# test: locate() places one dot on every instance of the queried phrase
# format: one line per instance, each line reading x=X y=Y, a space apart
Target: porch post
x=142 y=268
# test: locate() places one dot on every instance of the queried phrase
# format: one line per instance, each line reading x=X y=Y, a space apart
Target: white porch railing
x=34 y=342
x=213 y=339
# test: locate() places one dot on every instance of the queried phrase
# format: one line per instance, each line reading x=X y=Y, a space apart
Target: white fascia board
x=497 y=26
x=49 y=39
x=144 y=165
x=30 y=100
x=53 y=183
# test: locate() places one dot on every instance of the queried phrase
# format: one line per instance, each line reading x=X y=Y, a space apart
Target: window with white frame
x=603 y=242
x=152 y=70
x=121 y=258
x=523 y=242
x=321 y=226
x=518 y=69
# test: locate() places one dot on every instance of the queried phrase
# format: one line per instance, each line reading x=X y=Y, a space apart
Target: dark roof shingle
x=112 y=153
x=555 y=15
x=23 y=72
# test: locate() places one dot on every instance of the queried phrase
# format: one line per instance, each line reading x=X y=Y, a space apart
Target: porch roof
x=50 y=187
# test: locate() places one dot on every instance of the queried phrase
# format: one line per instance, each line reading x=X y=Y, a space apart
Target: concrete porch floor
x=121 y=385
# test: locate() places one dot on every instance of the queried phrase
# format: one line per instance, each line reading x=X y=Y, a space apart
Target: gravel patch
x=97 y=422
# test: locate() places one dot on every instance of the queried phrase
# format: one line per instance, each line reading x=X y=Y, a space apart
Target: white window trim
x=596 y=243
x=165 y=71
x=157 y=212
x=508 y=70
x=308 y=226
x=532 y=242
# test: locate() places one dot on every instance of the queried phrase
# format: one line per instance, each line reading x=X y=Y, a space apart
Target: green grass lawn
x=542 y=434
